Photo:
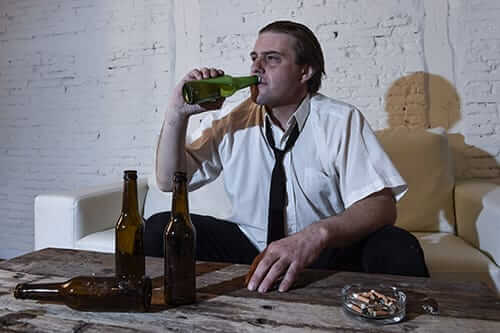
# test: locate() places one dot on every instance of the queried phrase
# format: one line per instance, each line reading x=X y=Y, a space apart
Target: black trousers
x=389 y=250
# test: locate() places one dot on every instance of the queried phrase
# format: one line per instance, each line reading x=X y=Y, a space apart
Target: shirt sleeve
x=362 y=164
x=203 y=156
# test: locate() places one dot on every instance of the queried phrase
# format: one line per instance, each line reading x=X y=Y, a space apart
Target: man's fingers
x=214 y=72
x=260 y=272
x=277 y=269
x=289 y=279
x=213 y=105
x=205 y=72
x=253 y=267
x=196 y=74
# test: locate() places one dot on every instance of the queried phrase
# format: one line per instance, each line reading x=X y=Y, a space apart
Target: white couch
x=456 y=222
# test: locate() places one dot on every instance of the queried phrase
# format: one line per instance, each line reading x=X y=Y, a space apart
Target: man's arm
x=170 y=152
x=290 y=255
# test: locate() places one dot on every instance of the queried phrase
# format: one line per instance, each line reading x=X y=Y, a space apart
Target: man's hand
x=177 y=100
x=285 y=258
x=289 y=256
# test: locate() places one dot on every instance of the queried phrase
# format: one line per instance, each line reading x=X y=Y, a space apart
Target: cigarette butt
x=378 y=294
x=381 y=313
x=361 y=298
x=355 y=308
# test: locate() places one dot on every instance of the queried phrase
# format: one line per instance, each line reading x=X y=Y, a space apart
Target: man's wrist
x=176 y=116
x=325 y=233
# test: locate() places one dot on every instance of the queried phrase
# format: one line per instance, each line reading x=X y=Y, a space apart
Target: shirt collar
x=299 y=116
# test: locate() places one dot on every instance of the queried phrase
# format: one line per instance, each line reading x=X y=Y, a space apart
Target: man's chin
x=257 y=97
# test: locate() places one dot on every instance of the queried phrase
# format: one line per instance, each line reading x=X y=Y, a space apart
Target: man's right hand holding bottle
x=177 y=101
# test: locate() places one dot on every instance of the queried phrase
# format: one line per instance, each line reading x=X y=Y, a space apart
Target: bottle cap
x=130 y=174
x=180 y=176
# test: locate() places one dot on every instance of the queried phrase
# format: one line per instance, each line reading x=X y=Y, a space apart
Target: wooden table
x=224 y=305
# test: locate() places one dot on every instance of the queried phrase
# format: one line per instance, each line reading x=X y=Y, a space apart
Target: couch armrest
x=63 y=218
x=477 y=206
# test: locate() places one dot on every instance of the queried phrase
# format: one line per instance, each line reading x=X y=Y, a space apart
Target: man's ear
x=307 y=73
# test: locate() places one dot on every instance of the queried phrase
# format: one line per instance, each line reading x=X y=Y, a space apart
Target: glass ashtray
x=380 y=304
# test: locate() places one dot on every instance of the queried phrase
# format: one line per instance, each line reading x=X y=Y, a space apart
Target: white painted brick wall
x=84 y=83
x=477 y=57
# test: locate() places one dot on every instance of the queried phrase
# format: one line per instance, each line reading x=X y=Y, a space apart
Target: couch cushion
x=424 y=160
x=450 y=257
x=102 y=241
x=478 y=214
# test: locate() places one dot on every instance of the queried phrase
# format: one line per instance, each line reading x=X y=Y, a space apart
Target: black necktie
x=277 y=195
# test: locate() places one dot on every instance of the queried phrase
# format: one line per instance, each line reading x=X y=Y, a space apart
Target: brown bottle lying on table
x=90 y=293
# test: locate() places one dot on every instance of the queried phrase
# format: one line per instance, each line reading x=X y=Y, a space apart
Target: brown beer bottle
x=129 y=231
x=180 y=248
x=90 y=293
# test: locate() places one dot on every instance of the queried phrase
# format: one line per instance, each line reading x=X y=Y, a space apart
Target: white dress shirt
x=335 y=162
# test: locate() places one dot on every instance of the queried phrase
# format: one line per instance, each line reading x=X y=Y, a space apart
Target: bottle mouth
x=130 y=174
x=180 y=176
x=18 y=291
x=188 y=94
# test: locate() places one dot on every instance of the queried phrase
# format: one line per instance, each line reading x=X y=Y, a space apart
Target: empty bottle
x=129 y=233
x=209 y=90
x=90 y=293
x=180 y=248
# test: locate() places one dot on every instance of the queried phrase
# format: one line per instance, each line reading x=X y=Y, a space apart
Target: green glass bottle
x=180 y=248
x=90 y=293
x=129 y=231
x=209 y=90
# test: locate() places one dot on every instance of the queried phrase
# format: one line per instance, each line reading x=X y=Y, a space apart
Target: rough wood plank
x=460 y=300
x=470 y=300
x=224 y=305
x=69 y=263
x=31 y=320
x=227 y=314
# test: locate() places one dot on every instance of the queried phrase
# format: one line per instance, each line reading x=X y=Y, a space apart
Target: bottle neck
x=245 y=81
x=180 y=198
x=129 y=201
x=41 y=291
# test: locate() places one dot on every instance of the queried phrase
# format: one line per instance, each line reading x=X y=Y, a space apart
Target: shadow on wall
x=427 y=101
x=424 y=100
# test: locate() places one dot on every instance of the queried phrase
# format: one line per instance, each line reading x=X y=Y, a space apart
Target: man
x=338 y=189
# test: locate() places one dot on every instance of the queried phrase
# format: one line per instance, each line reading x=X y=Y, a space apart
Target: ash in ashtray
x=372 y=304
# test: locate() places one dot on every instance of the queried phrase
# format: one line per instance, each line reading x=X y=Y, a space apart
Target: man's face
x=273 y=59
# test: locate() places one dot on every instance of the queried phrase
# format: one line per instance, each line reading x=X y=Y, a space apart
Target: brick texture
x=84 y=83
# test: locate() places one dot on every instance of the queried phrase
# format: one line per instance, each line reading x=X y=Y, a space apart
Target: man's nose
x=257 y=66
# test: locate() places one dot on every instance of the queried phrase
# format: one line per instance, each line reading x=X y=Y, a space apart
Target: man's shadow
x=426 y=101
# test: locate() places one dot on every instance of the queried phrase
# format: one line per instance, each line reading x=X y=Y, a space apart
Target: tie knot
x=279 y=154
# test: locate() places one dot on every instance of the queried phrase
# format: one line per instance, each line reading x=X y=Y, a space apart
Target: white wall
x=84 y=83
x=476 y=55
x=82 y=88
